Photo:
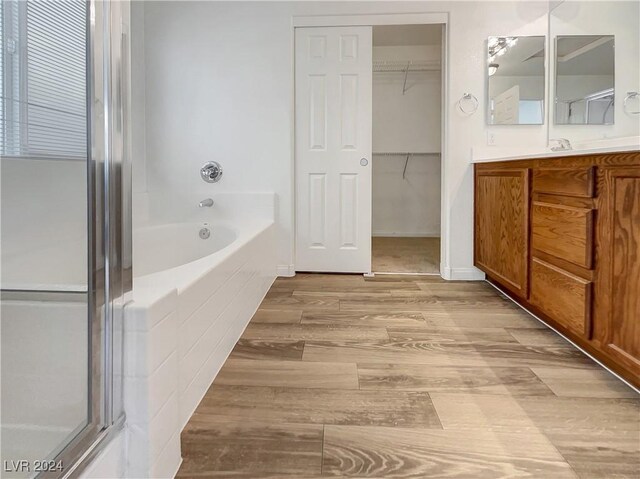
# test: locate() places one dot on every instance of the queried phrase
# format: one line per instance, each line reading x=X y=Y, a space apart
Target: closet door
x=333 y=149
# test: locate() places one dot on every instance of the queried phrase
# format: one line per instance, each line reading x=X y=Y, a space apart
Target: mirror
x=585 y=80
x=515 y=80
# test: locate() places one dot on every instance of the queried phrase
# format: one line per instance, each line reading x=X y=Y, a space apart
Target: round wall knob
x=364 y=162
x=211 y=172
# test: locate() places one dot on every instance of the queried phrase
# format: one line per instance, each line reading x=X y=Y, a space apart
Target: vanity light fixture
x=498 y=46
x=493 y=68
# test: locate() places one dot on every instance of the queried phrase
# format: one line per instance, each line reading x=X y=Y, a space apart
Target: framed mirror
x=585 y=80
x=515 y=80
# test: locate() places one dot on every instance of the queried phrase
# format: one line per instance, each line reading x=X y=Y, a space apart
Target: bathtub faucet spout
x=206 y=203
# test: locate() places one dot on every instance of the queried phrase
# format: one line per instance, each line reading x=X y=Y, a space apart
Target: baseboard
x=461 y=274
x=393 y=234
x=286 y=270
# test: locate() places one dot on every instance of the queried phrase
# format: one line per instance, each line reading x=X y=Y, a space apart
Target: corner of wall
x=286 y=270
x=461 y=274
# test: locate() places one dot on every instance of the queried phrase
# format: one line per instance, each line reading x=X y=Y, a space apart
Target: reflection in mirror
x=585 y=80
x=515 y=80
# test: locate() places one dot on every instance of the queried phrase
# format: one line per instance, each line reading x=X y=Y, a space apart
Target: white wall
x=572 y=87
x=409 y=122
x=619 y=18
x=531 y=87
x=407 y=206
x=219 y=86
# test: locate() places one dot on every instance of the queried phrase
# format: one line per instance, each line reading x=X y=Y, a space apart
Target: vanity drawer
x=577 y=181
x=565 y=232
x=562 y=296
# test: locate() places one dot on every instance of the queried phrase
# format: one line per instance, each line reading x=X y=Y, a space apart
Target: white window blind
x=44 y=79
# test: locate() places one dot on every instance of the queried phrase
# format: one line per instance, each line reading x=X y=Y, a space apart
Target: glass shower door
x=45 y=311
x=61 y=132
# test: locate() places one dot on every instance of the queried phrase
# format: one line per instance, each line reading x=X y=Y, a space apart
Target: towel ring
x=630 y=96
x=472 y=106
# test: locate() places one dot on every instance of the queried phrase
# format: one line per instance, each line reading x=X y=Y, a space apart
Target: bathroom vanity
x=561 y=236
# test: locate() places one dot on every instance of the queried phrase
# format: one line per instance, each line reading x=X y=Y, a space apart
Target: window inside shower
x=44 y=77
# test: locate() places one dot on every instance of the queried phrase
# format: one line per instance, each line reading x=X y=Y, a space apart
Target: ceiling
x=586 y=55
x=578 y=55
x=404 y=35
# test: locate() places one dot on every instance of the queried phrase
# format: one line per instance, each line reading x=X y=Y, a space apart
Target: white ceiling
x=594 y=55
x=584 y=55
x=405 y=35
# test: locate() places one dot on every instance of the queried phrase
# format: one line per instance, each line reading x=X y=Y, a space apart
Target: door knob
x=364 y=162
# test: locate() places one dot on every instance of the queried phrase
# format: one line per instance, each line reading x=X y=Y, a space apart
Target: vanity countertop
x=489 y=154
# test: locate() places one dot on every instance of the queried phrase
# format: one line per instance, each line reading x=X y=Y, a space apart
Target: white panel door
x=507 y=107
x=333 y=149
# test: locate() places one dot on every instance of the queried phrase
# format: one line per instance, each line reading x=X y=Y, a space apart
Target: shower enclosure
x=65 y=231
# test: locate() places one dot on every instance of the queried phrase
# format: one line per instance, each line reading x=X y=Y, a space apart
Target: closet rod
x=406 y=163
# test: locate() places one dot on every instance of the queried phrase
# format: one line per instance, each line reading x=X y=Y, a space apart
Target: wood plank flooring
x=408 y=376
x=396 y=254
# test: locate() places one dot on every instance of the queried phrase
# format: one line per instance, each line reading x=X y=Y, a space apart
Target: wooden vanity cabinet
x=618 y=275
x=562 y=237
x=502 y=246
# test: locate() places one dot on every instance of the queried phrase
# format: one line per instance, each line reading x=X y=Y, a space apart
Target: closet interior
x=407 y=98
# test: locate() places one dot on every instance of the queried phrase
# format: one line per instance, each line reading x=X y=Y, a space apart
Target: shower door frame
x=109 y=230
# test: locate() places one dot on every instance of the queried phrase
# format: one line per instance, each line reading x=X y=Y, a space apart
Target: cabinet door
x=501 y=226
x=620 y=263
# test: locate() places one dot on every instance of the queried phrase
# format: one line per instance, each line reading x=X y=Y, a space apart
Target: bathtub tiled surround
x=180 y=328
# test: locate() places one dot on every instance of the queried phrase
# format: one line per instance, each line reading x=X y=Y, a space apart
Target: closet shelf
x=388 y=66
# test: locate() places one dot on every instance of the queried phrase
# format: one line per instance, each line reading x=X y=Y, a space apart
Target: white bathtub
x=192 y=298
x=164 y=247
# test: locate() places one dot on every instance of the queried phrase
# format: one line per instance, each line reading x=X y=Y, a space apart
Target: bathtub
x=192 y=298
x=170 y=246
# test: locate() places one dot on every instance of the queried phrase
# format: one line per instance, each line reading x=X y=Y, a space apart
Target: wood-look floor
x=395 y=254
x=408 y=377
